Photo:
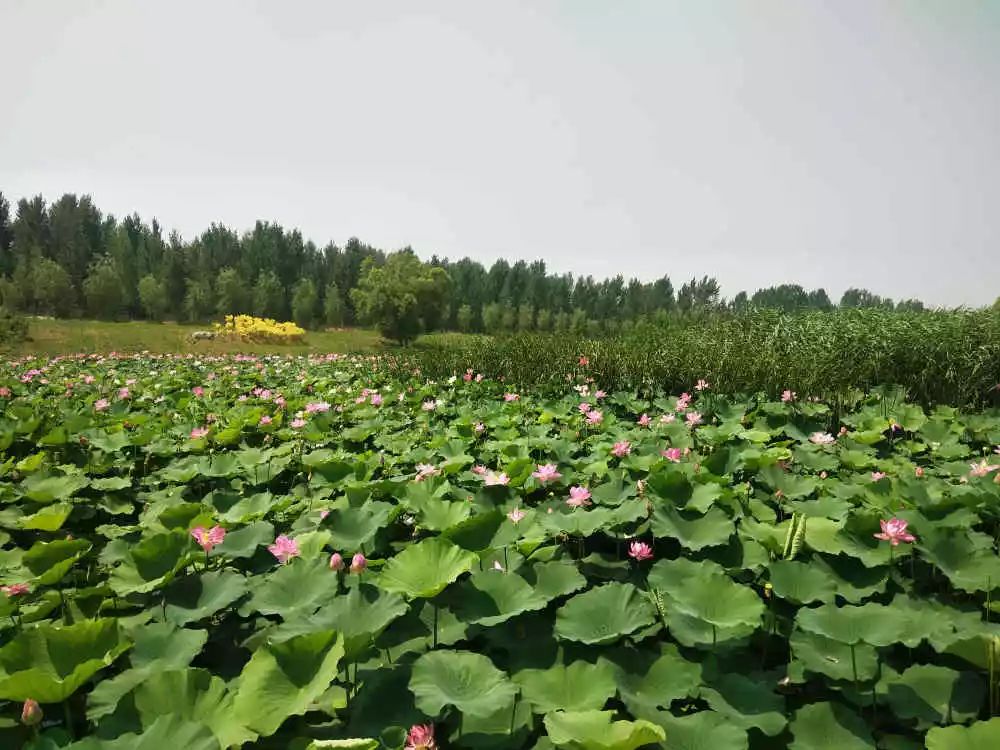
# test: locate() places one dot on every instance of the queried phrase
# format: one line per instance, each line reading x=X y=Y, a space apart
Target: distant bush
x=948 y=357
x=13 y=328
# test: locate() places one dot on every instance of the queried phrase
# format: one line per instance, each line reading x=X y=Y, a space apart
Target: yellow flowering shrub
x=249 y=328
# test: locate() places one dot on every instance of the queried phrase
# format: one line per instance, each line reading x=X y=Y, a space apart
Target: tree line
x=68 y=258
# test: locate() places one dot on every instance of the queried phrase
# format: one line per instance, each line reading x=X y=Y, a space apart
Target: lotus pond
x=326 y=552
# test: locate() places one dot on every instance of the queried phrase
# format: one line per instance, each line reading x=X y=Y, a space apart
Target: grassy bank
x=52 y=337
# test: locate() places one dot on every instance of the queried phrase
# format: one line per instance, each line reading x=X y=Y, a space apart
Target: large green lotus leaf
x=822 y=655
x=855 y=582
x=50 y=662
x=578 y=686
x=699 y=590
x=195 y=694
x=710 y=530
x=414 y=632
x=159 y=646
x=196 y=597
x=492 y=597
x=705 y=730
x=597 y=730
x=462 y=679
x=349 y=744
x=48 y=489
x=969 y=567
x=935 y=695
x=746 y=703
x=49 y=518
x=980 y=735
x=650 y=681
x=578 y=523
x=359 y=616
x=833 y=537
x=50 y=561
x=293 y=590
x=799 y=583
x=489 y=530
x=872 y=623
x=283 y=679
x=352 y=529
x=325 y=462
x=604 y=614
x=424 y=569
x=828 y=725
x=508 y=726
x=166 y=732
x=554 y=578
x=152 y=563
x=383 y=700
x=246 y=541
x=438 y=515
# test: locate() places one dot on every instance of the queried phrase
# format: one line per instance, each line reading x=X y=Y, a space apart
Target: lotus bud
x=358 y=563
x=336 y=562
x=31 y=713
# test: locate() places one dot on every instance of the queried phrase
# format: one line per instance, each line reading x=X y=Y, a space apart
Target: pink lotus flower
x=594 y=417
x=198 y=433
x=101 y=404
x=578 y=497
x=878 y=476
x=198 y=391
x=376 y=399
x=5 y=392
x=667 y=418
x=894 y=531
x=622 y=448
x=336 y=562
x=701 y=385
x=479 y=377
x=479 y=428
x=583 y=407
x=265 y=420
x=467 y=377
x=323 y=514
x=787 y=395
x=546 y=473
x=821 y=438
x=981 y=469
x=317 y=407
x=88 y=379
x=424 y=471
x=284 y=548
x=583 y=361
x=496 y=480
x=640 y=551
x=516 y=515
x=430 y=405
x=15 y=589
x=280 y=402
x=599 y=394
x=420 y=737
x=358 y=563
x=683 y=401
x=919 y=471
x=643 y=421
x=123 y=393
x=208 y=538
x=297 y=423
x=693 y=418
x=511 y=397
x=672 y=454
x=480 y=470
x=31 y=713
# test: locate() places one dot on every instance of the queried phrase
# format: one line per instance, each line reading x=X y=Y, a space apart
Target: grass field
x=51 y=337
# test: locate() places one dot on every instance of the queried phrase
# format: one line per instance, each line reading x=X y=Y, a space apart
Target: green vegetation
x=59 y=337
x=938 y=357
x=293 y=552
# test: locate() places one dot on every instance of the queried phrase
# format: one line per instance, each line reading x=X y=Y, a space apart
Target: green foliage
x=305 y=301
x=232 y=293
x=13 y=327
x=102 y=290
x=403 y=297
x=153 y=297
x=333 y=305
x=268 y=297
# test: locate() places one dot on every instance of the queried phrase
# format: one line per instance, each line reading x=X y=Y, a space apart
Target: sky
x=835 y=144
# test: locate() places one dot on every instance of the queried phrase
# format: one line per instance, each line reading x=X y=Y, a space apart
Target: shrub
x=249 y=328
x=13 y=328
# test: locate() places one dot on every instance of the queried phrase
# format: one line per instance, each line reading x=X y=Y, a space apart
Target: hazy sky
x=838 y=143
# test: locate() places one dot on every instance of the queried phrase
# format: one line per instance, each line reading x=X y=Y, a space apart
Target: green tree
x=463 y=318
x=492 y=318
x=199 y=304
x=51 y=287
x=232 y=293
x=400 y=295
x=153 y=297
x=508 y=318
x=543 y=322
x=305 y=301
x=525 y=317
x=333 y=305
x=268 y=296
x=103 y=290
